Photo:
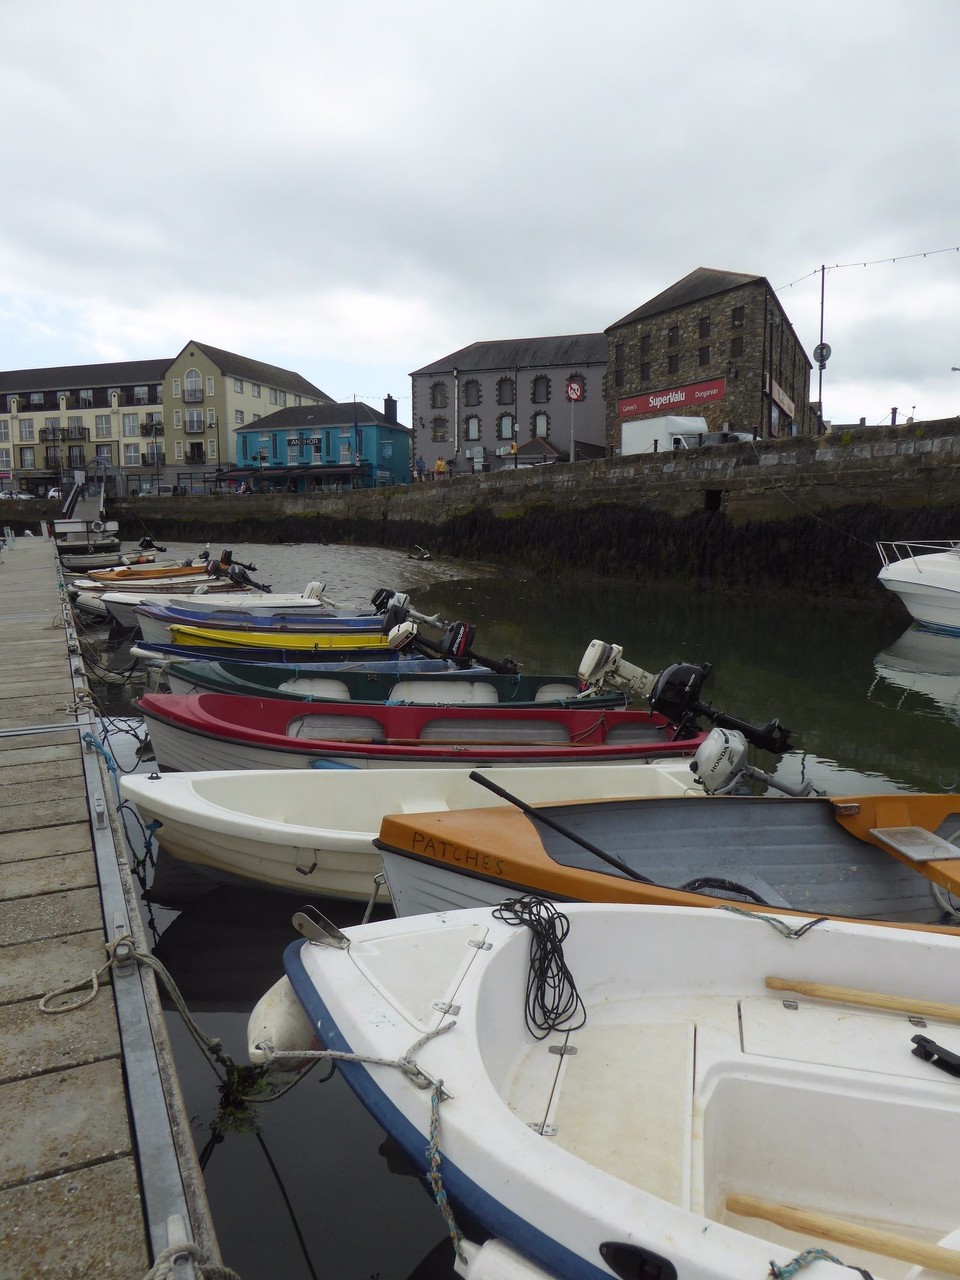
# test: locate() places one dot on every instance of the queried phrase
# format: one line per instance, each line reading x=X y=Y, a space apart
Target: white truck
x=661 y=435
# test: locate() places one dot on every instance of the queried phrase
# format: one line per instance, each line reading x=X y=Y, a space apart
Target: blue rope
x=108 y=759
x=802 y=1260
x=436 y=1182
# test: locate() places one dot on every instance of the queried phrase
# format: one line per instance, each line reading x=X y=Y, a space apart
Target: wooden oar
x=888 y=1243
x=870 y=999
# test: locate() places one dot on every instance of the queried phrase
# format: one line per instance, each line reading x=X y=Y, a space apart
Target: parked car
x=56 y=492
x=9 y=494
x=725 y=437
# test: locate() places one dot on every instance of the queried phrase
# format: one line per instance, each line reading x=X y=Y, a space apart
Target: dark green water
x=873 y=707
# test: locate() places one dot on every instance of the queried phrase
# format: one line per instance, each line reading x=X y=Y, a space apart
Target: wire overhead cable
x=876 y=262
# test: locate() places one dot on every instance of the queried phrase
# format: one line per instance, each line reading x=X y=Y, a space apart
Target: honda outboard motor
x=720 y=764
x=396 y=609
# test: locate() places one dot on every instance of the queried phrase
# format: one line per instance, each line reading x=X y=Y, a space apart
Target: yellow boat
x=306 y=641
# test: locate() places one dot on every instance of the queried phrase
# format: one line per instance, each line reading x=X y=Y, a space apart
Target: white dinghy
x=650 y=1092
x=313 y=830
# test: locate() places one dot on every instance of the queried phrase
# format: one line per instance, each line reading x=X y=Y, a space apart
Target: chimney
x=390 y=408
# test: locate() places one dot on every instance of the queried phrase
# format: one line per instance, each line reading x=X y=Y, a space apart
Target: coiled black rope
x=552 y=1001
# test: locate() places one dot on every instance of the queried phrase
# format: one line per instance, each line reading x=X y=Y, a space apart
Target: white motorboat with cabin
x=926 y=578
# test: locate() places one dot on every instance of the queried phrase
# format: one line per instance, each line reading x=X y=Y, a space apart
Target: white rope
x=166 y=1263
x=407 y=1064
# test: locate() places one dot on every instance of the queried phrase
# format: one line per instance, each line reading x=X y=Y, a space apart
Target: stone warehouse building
x=139 y=423
x=488 y=402
x=717 y=345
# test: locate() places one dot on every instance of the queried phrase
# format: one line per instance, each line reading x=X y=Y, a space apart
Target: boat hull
x=314 y=832
x=927 y=582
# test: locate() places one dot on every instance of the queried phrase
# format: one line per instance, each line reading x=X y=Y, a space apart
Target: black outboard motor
x=148 y=544
x=676 y=695
x=456 y=644
x=238 y=573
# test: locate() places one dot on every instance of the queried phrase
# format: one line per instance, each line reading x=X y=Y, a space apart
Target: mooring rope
x=168 y=1262
x=775 y=922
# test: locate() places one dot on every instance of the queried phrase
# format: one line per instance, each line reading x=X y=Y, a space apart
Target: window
x=211 y=417
x=618 y=353
x=211 y=449
x=141 y=395
x=703 y=355
x=209 y=384
x=736 y=346
x=617 y=376
x=540 y=392
x=131 y=455
x=238 y=385
x=438 y=396
x=703 y=329
x=105 y=452
x=238 y=417
x=736 y=318
x=541 y=425
x=282 y=399
x=646 y=343
x=28 y=459
x=255 y=390
x=506 y=391
x=673 y=336
x=178 y=451
x=130 y=421
x=194 y=422
x=101 y=427
x=673 y=364
x=75 y=457
x=5 y=430
x=273 y=395
x=471 y=393
x=193 y=387
x=298 y=401
x=26 y=431
x=177 y=420
x=36 y=399
x=471 y=427
x=645 y=371
x=506 y=426
x=85 y=399
x=176 y=388
x=438 y=430
x=5 y=457
x=51 y=424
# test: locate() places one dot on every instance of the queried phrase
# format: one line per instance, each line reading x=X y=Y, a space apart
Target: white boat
x=122 y=605
x=926 y=577
x=313 y=831
x=657 y=1092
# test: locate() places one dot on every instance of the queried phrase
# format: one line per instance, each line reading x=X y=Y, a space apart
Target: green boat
x=309 y=682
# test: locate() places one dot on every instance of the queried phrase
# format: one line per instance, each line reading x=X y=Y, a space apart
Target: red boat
x=200 y=731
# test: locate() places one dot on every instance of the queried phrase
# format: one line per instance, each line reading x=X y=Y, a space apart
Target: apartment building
x=137 y=423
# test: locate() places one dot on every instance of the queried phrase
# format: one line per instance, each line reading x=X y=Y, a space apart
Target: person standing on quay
x=419 y=464
x=439 y=469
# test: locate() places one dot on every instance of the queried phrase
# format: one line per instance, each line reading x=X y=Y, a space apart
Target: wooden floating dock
x=98 y=1172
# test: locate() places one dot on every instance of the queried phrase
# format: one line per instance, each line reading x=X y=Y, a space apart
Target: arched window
x=193 y=387
x=471 y=393
x=540 y=392
x=438 y=429
x=506 y=391
x=541 y=426
x=438 y=396
x=506 y=426
x=471 y=427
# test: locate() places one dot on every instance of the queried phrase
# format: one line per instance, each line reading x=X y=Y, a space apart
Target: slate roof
x=120 y=373
x=567 y=351
x=229 y=362
x=703 y=283
x=321 y=415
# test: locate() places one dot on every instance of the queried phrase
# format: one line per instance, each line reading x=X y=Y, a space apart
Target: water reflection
x=925 y=664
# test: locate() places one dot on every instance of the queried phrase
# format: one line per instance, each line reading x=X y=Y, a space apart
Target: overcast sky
x=353 y=190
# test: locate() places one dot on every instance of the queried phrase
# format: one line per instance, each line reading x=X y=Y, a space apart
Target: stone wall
x=802 y=514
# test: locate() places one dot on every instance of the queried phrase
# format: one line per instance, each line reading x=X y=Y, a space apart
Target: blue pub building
x=324 y=448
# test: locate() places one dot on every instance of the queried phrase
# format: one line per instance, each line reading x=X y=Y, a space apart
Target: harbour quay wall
x=800 y=513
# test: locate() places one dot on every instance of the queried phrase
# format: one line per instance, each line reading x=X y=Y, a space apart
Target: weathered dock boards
x=74 y=1200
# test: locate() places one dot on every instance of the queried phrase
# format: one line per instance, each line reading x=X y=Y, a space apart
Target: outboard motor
x=396 y=609
x=237 y=573
x=674 y=693
x=720 y=764
x=456 y=644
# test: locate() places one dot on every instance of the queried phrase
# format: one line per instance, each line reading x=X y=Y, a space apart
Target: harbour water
x=306 y=1186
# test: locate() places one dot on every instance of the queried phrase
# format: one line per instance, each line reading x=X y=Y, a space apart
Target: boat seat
x=443 y=692
x=916 y=843
x=315 y=687
x=554 y=691
x=341 y=728
x=508 y=732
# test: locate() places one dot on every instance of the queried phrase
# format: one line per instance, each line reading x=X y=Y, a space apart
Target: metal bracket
x=315 y=927
x=546 y=1130
x=480 y=945
x=442 y=1006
